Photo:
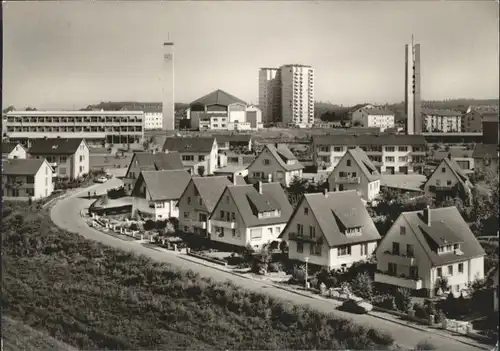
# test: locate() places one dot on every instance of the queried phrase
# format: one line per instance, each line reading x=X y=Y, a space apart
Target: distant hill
x=118 y=105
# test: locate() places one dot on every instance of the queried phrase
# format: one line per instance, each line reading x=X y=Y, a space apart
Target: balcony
x=404 y=282
x=199 y=224
x=304 y=238
x=223 y=223
x=405 y=260
x=435 y=188
x=347 y=180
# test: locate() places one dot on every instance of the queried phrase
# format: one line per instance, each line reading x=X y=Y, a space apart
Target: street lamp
x=307 y=260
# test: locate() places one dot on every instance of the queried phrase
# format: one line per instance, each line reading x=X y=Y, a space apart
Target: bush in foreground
x=96 y=297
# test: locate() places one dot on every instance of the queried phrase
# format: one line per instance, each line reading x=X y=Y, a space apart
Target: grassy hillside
x=17 y=336
x=95 y=297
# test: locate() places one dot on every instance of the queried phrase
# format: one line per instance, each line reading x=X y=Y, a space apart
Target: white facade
x=297 y=95
x=153 y=120
x=18 y=152
x=270 y=94
x=435 y=122
x=115 y=127
x=35 y=186
x=168 y=87
x=156 y=210
x=237 y=117
x=382 y=121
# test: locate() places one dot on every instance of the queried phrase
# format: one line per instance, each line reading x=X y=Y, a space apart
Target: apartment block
x=297 y=95
x=270 y=94
x=442 y=121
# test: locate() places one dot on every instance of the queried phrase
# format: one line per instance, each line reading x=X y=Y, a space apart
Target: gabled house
x=25 y=178
x=198 y=201
x=275 y=163
x=250 y=214
x=448 y=181
x=355 y=171
x=332 y=229
x=198 y=154
x=13 y=151
x=234 y=141
x=156 y=193
x=150 y=161
x=423 y=247
x=486 y=157
x=70 y=158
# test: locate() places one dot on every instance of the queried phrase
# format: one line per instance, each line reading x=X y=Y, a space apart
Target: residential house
x=275 y=163
x=375 y=117
x=441 y=121
x=423 y=247
x=70 y=158
x=234 y=141
x=332 y=229
x=448 y=181
x=472 y=122
x=250 y=214
x=25 y=178
x=390 y=153
x=198 y=201
x=13 y=151
x=150 y=161
x=356 y=113
x=486 y=157
x=156 y=193
x=199 y=154
x=463 y=157
x=355 y=171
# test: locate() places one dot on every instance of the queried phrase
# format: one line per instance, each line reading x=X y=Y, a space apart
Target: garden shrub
x=275 y=267
x=362 y=286
x=403 y=299
x=299 y=273
x=421 y=311
x=425 y=345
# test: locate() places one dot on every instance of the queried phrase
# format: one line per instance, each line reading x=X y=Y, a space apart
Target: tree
x=9 y=109
x=403 y=299
x=201 y=170
x=356 y=124
x=362 y=286
x=31 y=109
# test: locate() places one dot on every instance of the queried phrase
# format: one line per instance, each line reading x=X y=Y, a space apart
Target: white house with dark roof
x=332 y=229
x=156 y=193
x=275 y=163
x=199 y=154
x=448 y=180
x=234 y=141
x=250 y=214
x=70 y=158
x=150 y=161
x=370 y=116
x=424 y=246
x=390 y=153
x=355 y=171
x=198 y=201
x=13 y=151
x=25 y=178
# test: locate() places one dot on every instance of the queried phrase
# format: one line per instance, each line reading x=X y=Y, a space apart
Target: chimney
x=427 y=215
x=260 y=187
x=234 y=179
x=449 y=156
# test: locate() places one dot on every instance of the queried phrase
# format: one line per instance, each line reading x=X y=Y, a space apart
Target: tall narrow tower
x=413 y=105
x=168 y=87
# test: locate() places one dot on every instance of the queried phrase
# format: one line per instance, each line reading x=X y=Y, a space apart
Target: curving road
x=65 y=214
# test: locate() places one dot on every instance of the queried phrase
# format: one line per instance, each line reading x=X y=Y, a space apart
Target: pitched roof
x=381 y=139
x=164 y=185
x=455 y=153
x=218 y=97
x=358 y=106
x=210 y=189
x=450 y=227
x=379 y=111
x=457 y=171
x=22 y=166
x=481 y=150
x=366 y=165
x=55 y=146
x=8 y=147
x=160 y=161
x=436 y=112
x=339 y=210
x=235 y=138
x=189 y=144
x=249 y=202
x=283 y=154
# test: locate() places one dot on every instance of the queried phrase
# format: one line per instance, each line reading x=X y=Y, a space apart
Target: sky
x=71 y=54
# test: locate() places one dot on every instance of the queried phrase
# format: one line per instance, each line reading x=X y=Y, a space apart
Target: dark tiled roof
x=379 y=112
x=455 y=224
x=455 y=153
x=210 y=189
x=481 y=150
x=194 y=145
x=366 y=165
x=437 y=112
x=22 y=166
x=218 y=97
x=283 y=155
x=357 y=107
x=440 y=233
x=341 y=209
x=236 y=138
x=382 y=139
x=55 y=146
x=7 y=147
x=159 y=161
x=163 y=185
x=458 y=172
x=271 y=193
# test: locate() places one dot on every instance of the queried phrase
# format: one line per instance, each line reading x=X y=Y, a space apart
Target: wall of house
x=446 y=178
x=359 y=115
x=190 y=203
x=43 y=182
x=337 y=261
x=81 y=161
x=212 y=160
x=290 y=175
x=163 y=209
x=269 y=234
x=273 y=168
x=354 y=168
x=472 y=269
x=380 y=121
x=226 y=203
x=18 y=153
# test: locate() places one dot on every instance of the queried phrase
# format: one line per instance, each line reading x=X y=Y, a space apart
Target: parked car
x=356 y=305
x=101 y=179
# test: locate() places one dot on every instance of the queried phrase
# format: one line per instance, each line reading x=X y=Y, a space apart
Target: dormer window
x=446 y=249
x=269 y=214
x=290 y=162
x=353 y=231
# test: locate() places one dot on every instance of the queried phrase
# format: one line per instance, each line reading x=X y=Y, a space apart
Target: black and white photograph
x=250 y=175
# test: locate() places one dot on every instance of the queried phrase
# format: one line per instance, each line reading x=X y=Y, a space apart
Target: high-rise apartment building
x=297 y=95
x=286 y=95
x=168 y=87
x=270 y=94
x=413 y=105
